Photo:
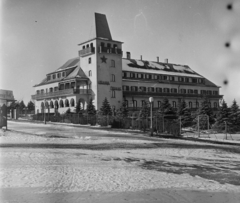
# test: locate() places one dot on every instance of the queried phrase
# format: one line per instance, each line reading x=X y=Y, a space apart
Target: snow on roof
x=70 y=63
x=158 y=68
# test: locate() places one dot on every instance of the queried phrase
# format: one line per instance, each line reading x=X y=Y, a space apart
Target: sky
x=38 y=36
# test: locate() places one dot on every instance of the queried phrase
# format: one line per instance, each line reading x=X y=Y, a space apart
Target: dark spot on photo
x=227 y=44
x=229 y=6
x=225 y=82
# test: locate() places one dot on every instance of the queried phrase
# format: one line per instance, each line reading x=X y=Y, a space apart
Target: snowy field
x=98 y=166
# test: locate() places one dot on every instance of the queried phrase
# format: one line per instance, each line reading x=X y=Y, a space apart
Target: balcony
x=131 y=93
x=110 y=50
x=87 y=51
x=61 y=93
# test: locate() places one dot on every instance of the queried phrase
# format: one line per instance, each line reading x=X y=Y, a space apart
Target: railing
x=60 y=93
x=169 y=94
x=86 y=51
x=109 y=50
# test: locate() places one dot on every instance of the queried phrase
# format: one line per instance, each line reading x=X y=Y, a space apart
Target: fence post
x=198 y=127
x=180 y=124
x=225 y=128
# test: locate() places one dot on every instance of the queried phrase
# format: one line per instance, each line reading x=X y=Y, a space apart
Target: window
x=54 y=76
x=89 y=60
x=142 y=89
x=115 y=46
x=215 y=92
x=126 y=102
x=190 y=91
x=186 y=79
x=58 y=75
x=150 y=89
x=55 y=89
x=215 y=105
x=49 y=77
x=190 y=104
x=159 y=104
x=42 y=91
x=46 y=90
x=140 y=75
x=125 y=88
x=180 y=79
x=197 y=104
x=63 y=74
x=132 y=75
x=134 y=88
x=112 y=78
x=200 y=80
x=87 y=45
x=183 y=91
x=38 y=91
x=56 y=104
x=203 y=91
x=124 y=74
x=134 y=104
x=165 y=77
x=143 y=102
x=166 y=90
x=112 y=63
x=171 y=78
x=102 y=44
x=113 y=94
x=209 y=92
x=195 y=91
x=174 y=104
x=90 y=73
x=83 y=47
x=156 y=77
x=194 y=80
x=173 y=90
x=91 y=45
x=51 y=89
x=158 y=89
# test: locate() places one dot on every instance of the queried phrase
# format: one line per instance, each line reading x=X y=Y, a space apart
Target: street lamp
x=151 y=116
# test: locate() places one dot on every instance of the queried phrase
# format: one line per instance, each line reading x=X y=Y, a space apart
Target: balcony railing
x=109 y=50
x=86 y=51
x=129 y=93
x=60 y=93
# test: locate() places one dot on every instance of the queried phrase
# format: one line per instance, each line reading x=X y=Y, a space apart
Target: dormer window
x=63 y=74
x=49 y=77
x=54 y=76
x=58 y=75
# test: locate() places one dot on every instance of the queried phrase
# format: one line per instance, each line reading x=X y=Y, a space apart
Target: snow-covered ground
x=43 y=165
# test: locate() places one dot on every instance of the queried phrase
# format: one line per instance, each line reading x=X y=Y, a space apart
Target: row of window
x=157 y=104
x=59 y=104
x=112 y=77
x=55 y=75
x=167 y=90
x=51 y=89
x=108 y=45
x=161 y=77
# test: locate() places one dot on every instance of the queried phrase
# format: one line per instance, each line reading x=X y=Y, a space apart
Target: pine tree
x=21 y=106
x=184 y=114
x=91 y=108
x=234 y=117
x=123 y=111
x=181 y=106
x=145 y=110
x=31 y=106
x=222 y=116
x=106 y=108
x=166 y=107
x=206 y=109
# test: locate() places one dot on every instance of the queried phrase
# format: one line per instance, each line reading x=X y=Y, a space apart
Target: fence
x=160 y=124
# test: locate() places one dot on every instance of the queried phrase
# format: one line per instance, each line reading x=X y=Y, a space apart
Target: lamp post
x=151 y=116
x=44 y=114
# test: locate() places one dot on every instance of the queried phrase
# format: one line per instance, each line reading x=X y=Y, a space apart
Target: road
x=51 y=163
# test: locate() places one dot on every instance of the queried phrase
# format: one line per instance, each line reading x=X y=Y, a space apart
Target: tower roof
x=101 y=26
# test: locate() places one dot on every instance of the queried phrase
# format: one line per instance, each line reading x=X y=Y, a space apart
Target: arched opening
x=56 y=104
x=61 y=104
x=51 y=105
x=66 y=103
x=72 y=102
x=46 y=105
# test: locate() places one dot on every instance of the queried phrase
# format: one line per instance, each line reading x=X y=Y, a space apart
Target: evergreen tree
x=79 y=107
x=234 y=117
x=166 y=107
x=91 y=108
x=145 y=110
x=181 y=106
x=21 y=106
x=222 y=116
x=185 y=113
x=106 y=108
x=206 y=109
x=123 y=111
x=30 y=106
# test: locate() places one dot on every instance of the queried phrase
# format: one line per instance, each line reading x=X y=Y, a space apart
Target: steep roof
x=158 y=68
x=75 y=71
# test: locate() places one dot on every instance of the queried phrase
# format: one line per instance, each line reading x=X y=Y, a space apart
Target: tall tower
x=101 y=61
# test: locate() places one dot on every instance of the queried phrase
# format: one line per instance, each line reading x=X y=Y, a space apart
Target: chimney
x=141 y=57
x=166 y=61
x=128 y=55
x=157 y=59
